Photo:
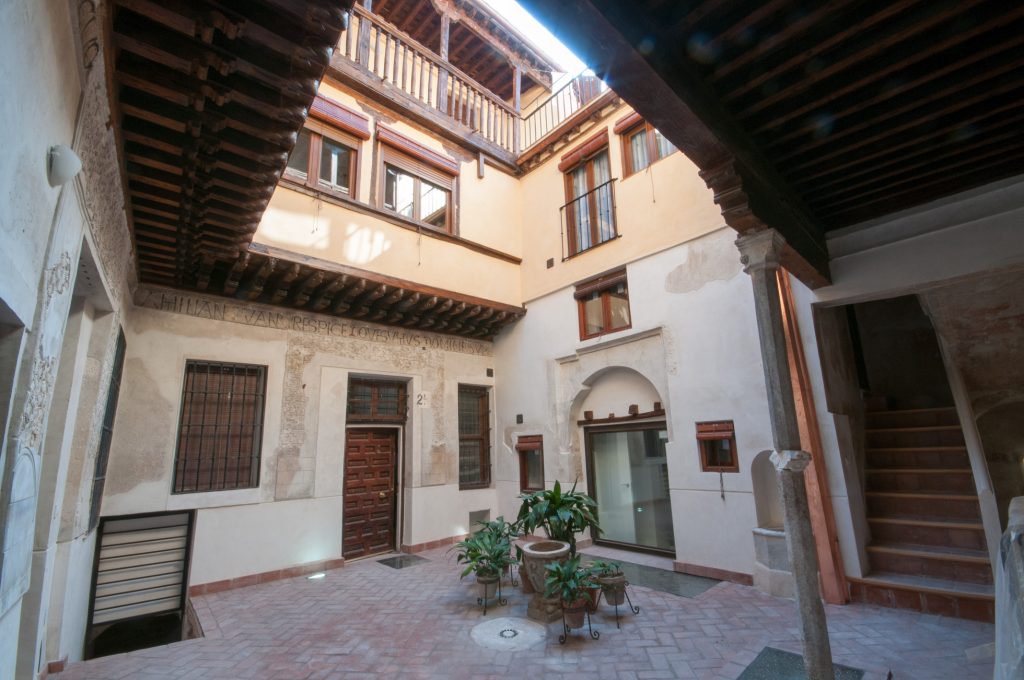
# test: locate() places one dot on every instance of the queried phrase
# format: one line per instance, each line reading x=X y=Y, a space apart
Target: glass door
x=629 y=480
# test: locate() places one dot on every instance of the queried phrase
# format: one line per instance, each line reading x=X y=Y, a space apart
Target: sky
x=537 y=34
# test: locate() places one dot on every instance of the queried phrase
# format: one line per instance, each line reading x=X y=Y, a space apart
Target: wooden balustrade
x=402 y=62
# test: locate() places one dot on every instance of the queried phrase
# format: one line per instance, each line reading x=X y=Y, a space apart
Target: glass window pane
x=299 y=158
x=719 y=453
x=638 y=150
x=469 y=413
x=533 y=468
x=335 y=163
x=434 y=205
x=631 y=487
x=470 y=470
x=398 y=190
x=619 y=304
x=593 y=314
x=665 y=147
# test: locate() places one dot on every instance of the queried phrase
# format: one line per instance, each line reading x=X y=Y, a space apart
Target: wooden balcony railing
x=397 y=59
x=572 y=97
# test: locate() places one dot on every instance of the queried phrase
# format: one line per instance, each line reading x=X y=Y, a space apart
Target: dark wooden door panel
x=369 y=492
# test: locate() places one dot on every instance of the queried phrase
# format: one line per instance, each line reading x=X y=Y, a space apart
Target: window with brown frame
x=717 y=443
x=324 y=159
x=417 y=191
x=474 y=438
x=220 y=430
x=642 y=146
x=603 y=305
x=376 y=401
x=589 y=210
x=531 y=462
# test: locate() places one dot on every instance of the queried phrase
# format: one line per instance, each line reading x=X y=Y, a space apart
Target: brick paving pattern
x=367 y=620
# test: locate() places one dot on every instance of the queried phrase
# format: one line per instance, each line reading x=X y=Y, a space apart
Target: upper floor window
x=590 y=203
x=416 y=182
x=417 y=198
x=324 y=159
x=603 y=305
x=642 y=144
x=221 y=428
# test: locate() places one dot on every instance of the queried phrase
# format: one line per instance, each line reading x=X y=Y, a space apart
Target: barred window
x=374 y=401
x=474 y=438
x=221 y=427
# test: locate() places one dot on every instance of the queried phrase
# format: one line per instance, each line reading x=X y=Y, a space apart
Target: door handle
x=382 y=494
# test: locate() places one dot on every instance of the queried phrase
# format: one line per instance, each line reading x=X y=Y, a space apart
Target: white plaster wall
x=251 y=539
x=295 y=515
x=140 y=468
x=694 y=338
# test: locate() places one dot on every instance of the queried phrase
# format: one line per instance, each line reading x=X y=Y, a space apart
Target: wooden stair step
x=918 y=449
x=975 y=601
x=919 y=471
x=934 y=522
x=939 y=586
x=917 y=428
x=925 y=495
x=931 y=552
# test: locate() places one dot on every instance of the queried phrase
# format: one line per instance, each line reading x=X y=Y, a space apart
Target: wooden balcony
x=386 y=64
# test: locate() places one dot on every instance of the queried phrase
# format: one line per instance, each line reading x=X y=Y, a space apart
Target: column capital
x=791 y=461
x=760 y=250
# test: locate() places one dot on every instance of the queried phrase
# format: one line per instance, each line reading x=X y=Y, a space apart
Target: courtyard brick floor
x=368 y=620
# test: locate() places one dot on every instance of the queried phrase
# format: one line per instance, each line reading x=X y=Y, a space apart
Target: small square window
x=531 y=462
x=375 y=401
x=603 y=305
x=717 y=444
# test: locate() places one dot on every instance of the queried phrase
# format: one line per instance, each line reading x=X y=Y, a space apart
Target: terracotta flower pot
x=594 y=594
x=488 y=585
x=614 y=588
x=574 y=612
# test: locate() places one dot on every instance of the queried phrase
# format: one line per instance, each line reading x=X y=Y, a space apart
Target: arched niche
x=767 y=500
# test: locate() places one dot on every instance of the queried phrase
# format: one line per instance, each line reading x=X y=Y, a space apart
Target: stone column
x=760 y=256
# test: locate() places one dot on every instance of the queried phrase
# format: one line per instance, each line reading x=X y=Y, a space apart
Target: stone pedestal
x=772 y=574
x=536 y=556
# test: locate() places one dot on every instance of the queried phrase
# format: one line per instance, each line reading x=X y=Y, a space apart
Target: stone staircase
x=928 y=550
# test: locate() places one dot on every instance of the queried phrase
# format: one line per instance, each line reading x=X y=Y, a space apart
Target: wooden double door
x=370 y=491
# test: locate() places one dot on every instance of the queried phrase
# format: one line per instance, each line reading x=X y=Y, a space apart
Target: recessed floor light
x=316 y=576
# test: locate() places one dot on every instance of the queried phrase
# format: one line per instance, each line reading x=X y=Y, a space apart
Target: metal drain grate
x=509 y=633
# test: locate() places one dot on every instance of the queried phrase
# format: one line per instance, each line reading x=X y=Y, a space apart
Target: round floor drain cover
x=509 y=633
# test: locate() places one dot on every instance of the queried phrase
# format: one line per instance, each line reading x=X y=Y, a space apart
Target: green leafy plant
x=568 y=581
x=601 y=568
x=500 y=528
x=484 y=553
x=561 y=515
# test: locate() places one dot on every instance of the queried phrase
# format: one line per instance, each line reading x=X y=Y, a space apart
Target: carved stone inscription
x=214 y=309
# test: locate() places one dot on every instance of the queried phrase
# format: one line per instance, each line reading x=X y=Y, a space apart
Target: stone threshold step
x=931 y=552
x=923 y=584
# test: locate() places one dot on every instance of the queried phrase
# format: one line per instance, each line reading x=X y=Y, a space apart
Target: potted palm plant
x=485 y=554
x=569 y=583
x=561 y=515
x=609 y=576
